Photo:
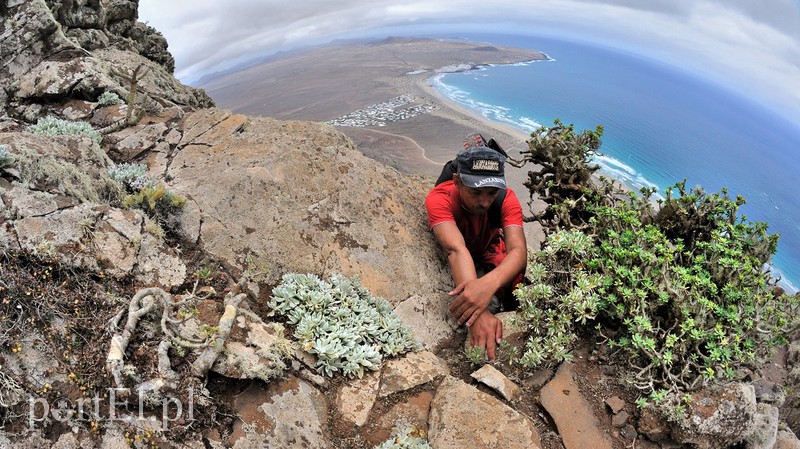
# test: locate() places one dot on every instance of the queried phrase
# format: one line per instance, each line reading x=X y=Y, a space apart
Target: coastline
x=425 y=86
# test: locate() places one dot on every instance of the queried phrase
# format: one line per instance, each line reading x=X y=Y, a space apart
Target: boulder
x=290 y=414
x=297 y=197
x=572 y=412
x=716 y=417
x=415 y=368
x=463 y=416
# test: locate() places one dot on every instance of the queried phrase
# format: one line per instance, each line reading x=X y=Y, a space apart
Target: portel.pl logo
x=113 y=407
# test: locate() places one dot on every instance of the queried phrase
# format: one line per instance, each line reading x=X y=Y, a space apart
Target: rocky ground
x=141 y=323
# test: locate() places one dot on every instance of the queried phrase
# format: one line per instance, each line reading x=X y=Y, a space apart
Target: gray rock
x=786 y=439
x=254 y=350
x=718 y=417
x=428 y=317
x=620 y=419
x=290 y=414
x=765 y=429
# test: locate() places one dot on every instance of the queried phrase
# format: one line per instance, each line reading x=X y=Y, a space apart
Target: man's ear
x=456 y=180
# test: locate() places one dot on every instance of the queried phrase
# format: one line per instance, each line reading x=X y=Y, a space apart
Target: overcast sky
x=747 y=44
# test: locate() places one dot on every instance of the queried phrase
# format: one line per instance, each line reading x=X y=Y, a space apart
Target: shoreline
x=425 y=85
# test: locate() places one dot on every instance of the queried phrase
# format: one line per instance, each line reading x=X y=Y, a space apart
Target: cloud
x=754 y=45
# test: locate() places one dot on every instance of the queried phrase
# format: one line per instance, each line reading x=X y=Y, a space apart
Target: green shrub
x=680 y=291
x=348 y=329
x=108 y=98
x=51 y=126
x=154 y=199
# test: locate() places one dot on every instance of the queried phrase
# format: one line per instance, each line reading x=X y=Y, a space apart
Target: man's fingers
x=457 y=291
x=468 y=316
x=457 y=304
x=490 y=344
x=499 y=331
x=473 y=315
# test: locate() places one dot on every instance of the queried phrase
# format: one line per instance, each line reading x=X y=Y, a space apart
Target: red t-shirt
x=444 y=205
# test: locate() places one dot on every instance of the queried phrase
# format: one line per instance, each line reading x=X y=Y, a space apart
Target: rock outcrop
x=58 y=52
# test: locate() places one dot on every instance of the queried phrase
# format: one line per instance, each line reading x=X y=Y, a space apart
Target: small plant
x=132 y=176
x=154 y=198
x=348 y=329
x=133 y=77
x=153 y=228
x=6 y=158
x=404 y=439
x=209 y=331
x=108 y=98
x=203 y=273
x=476 y=355
x=51 y=126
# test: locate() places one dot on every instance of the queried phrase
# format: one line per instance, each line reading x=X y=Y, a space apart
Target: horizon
x=722 y=43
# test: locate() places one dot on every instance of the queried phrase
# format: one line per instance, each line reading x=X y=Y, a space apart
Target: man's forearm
x=462 y=266
x=511 y=266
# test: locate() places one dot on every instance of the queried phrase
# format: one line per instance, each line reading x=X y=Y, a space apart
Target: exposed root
x=209 y=355
x=150 y=299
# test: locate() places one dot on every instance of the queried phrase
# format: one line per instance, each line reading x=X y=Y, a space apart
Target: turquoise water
x=661 y=125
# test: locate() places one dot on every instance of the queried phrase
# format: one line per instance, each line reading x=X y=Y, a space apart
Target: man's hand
x=472 y=298
x=487 y=333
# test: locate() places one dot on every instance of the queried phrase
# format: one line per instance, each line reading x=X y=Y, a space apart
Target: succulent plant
x=132 y=176
x=338 y=320
x=6 y=158
x=51 y=126
x=108 y=98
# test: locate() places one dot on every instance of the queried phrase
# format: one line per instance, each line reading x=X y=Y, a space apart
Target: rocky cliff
x=60 y=56
x=158 y=294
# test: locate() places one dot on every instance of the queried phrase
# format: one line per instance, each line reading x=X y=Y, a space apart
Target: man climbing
x=484 y=243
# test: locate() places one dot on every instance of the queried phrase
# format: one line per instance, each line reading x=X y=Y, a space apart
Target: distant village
x=381 y=114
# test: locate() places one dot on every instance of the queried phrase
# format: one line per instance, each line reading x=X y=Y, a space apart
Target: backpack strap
x=494 y=212
x=449 y=169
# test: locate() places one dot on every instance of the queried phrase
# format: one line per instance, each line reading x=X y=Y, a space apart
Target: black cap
x=481 y=167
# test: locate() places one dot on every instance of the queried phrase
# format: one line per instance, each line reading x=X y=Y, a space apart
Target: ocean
x=662 y=125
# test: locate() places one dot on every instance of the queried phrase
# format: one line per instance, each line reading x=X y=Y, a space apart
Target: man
x=486 y=261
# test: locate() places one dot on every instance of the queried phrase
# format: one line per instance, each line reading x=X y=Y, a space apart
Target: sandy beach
x=333 y=81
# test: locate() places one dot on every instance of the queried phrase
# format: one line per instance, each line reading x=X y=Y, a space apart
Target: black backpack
x=451 y=167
